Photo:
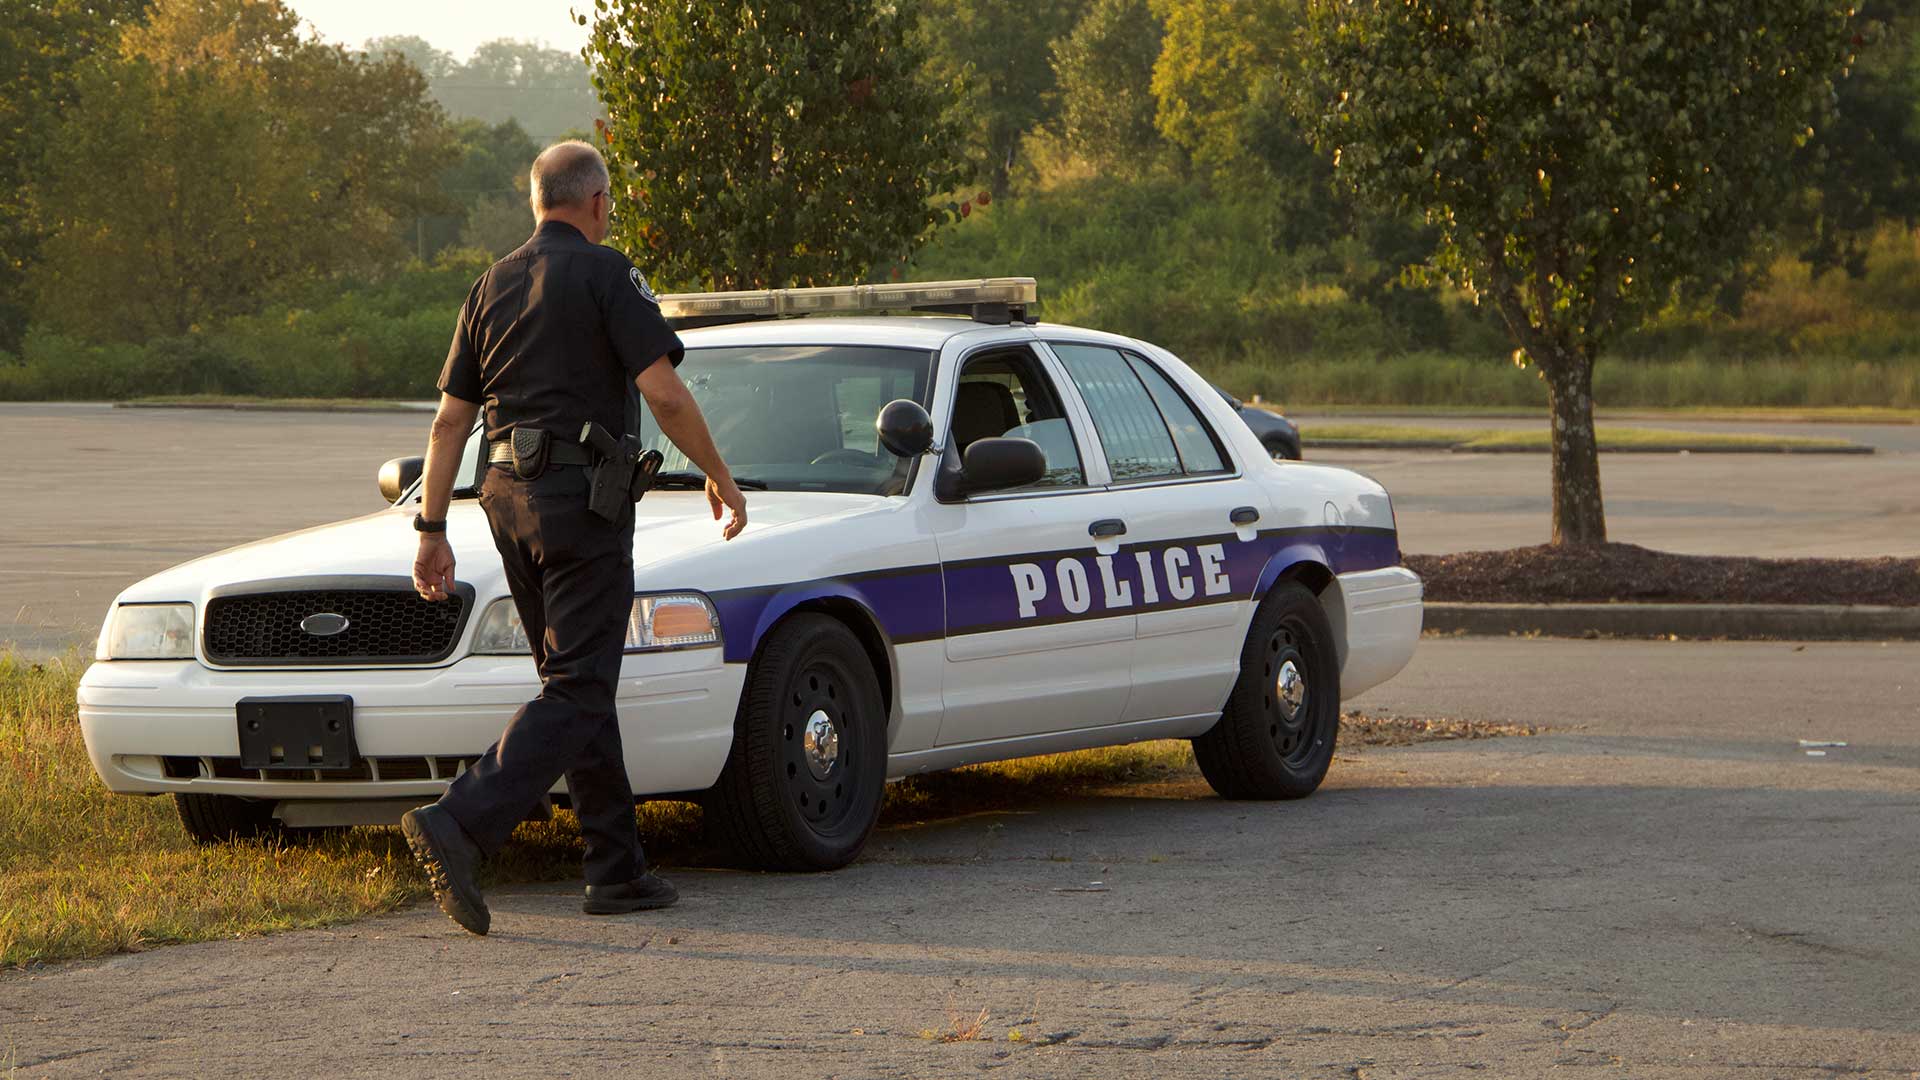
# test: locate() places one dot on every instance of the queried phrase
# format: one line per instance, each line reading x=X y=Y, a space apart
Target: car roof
x=909 y=331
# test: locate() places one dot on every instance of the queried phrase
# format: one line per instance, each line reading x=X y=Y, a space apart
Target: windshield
x=800 y=417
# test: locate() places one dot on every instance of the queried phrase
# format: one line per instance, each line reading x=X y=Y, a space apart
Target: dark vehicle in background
x=1277 y=433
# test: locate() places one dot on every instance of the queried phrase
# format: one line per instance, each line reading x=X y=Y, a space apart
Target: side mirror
x=398 y=475
x=992 y=465
x=904 y=427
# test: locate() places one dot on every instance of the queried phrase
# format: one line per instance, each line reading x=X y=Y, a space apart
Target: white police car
x=1051 y=538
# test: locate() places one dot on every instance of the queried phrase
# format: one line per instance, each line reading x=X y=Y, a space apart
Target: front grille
x=386 y=769
x=386 y=623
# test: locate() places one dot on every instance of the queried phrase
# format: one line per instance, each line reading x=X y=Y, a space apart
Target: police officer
x=551 y=337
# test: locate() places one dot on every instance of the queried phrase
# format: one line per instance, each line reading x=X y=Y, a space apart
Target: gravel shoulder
x=1662 y=883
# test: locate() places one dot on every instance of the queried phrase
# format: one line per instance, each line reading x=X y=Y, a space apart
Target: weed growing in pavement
x=960 y=1028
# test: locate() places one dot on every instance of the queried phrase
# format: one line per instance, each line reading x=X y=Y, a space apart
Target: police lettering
x=1184 y=573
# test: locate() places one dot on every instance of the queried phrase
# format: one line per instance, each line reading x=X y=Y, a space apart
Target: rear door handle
x=1244 y=515
x=1107 y=528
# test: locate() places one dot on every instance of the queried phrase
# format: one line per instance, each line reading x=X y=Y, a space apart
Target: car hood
x=668 y=526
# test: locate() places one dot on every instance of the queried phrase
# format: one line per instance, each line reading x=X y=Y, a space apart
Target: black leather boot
x=450 y=858
x=649 y=890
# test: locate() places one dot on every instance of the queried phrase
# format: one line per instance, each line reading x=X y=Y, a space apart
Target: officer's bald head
x=567 y=177
x=567 y=174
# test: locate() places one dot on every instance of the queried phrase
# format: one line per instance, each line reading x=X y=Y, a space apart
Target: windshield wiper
x=698 y=480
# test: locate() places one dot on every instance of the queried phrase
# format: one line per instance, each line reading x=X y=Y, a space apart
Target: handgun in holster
x=622 y=472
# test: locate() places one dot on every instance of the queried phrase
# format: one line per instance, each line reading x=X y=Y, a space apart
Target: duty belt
x=558 y=453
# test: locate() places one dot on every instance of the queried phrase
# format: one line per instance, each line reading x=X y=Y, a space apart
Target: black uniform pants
x=571 y=573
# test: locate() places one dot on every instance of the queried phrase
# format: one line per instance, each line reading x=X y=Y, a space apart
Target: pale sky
x=456 y=26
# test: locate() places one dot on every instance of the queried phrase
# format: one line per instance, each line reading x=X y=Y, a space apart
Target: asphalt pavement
x=1662 y=884
x=98 y=497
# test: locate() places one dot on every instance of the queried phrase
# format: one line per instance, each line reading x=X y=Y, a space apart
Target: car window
x=800 y=417
x=1132 y=432
x=1006 y=394
x=1199 y=452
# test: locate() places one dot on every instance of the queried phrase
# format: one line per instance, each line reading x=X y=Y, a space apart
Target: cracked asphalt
x=1663 y=884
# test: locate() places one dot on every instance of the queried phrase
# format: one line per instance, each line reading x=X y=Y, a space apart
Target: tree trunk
x=1579 y=516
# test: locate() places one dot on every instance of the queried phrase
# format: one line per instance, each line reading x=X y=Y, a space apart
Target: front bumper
x=170 y=726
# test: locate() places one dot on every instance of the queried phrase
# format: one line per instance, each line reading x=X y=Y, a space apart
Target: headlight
x=672 y=621
x=657 y=621
x=148 y=632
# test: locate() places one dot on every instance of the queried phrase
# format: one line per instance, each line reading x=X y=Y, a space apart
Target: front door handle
x=1107 y=529
x=1244 y=515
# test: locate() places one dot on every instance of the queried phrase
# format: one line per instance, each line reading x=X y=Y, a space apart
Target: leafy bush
x=1221 y=280
x=383 y=338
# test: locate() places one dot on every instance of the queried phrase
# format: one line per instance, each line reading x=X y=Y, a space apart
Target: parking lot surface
x=1663 y=884
x=103 y=497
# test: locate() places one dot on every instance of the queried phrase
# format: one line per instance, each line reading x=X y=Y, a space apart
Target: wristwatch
x=421 y=524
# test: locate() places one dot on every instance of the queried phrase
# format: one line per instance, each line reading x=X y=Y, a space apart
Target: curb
x=1792 y=622
x=279 y=406
x=1672 y=448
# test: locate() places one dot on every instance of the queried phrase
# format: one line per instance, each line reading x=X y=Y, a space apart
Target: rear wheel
x=1275 y=738
x=219 y=819
x=1281 y=449
x=802 y=787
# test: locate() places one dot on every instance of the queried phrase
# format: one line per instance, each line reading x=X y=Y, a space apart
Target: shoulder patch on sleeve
x=640 y=282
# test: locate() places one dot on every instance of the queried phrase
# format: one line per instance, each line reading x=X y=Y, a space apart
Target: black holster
x=621 y=474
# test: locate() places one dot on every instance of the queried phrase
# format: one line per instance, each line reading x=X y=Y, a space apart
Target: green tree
x=1865 y=162
x=1584 y=160
x=42 y=44
x=1218 y=81
x=997 y=56
x=220 y=156
x=762 y=143
x=1105 y=72
x=488 y=175
x=546 y=91
x=435 y=63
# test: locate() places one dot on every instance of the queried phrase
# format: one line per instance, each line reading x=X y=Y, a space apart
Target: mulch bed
x=1627 y=573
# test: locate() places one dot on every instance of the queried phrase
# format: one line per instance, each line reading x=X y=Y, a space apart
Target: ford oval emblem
x=325 y=624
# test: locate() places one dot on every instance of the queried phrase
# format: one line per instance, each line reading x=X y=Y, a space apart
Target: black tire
x=1261 y=749
x=775 y=805
x=1278 y=447
x=220 y=819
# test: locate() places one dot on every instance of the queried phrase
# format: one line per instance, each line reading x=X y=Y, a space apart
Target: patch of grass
x=291 y=404
x=84 y=872
x=1835 y=414
x=1611 y=438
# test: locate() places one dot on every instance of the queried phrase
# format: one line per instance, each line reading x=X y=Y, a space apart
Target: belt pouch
x=643 y=472
x=529 y=452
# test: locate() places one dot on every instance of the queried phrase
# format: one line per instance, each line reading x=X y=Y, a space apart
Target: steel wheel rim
x=820 y=742
x=1294 y=723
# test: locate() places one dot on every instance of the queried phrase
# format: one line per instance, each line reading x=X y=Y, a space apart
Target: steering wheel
x=857 y=458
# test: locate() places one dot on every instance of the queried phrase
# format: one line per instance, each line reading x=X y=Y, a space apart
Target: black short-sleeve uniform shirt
x=553 y=335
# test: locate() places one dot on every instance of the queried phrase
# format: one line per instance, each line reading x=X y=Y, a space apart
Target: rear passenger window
x=1147 y=427
x=1136 y=440
x=1198 y=452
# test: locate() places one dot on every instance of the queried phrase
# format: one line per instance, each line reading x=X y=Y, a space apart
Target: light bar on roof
x=1014 y=292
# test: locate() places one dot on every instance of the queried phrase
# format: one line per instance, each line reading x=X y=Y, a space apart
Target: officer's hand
x=433 y=567
x=729 y=497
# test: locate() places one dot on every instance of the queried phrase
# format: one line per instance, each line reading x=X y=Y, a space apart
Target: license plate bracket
x=295 y=734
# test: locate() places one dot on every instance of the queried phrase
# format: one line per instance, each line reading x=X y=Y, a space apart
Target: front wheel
x=803 y=784
x=1275 y=737
x=219 y=819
